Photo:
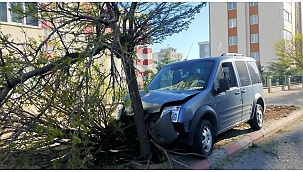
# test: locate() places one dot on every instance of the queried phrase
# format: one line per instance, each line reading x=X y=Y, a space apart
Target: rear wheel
x=257 y=122
x=204 y=138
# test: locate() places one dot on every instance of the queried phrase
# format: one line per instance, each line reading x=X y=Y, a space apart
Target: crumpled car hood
x=154 y=99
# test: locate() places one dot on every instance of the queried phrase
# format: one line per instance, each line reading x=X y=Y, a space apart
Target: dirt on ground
x=272 y=114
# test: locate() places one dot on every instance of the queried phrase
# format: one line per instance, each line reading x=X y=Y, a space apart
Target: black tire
x=257 y=122
x=204 y=138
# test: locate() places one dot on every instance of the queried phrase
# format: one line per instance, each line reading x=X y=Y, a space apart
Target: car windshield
x=187 y=75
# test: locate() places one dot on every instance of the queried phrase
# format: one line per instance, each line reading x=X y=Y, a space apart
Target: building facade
x=11 y=24
x=204 y=50
x=169 y=52
x=143 y=62
x=252 y=28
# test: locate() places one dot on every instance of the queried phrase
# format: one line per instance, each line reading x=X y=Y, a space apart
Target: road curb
x=249 y=139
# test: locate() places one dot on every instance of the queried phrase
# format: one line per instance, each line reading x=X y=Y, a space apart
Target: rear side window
x=243 y=73
x=254 y=72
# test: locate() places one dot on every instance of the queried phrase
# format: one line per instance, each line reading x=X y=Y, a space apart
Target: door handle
x=237 y=92
x=243 y=91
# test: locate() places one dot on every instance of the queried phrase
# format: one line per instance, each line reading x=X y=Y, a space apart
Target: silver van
x=192 y=101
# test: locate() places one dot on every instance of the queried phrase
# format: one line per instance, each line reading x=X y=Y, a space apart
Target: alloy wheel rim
x=206 y=139
x=259 y=117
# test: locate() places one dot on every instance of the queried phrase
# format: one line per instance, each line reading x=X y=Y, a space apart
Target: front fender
x=200 y=113
x=258 y=97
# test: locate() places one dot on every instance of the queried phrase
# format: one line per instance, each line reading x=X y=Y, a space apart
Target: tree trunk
x=145 y=148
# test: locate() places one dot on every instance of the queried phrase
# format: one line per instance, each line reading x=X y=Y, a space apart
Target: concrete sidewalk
x=232 y=148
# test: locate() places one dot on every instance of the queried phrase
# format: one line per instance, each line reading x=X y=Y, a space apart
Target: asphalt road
x=290 y=97
x=282 y=151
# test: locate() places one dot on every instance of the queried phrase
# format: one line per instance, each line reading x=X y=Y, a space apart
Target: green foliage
x=282 y=67
x=56 y=95
x=150 y=74
x=163 y=62
x=290 y=51
x=53 y=133
x=262 y=71
x=20 y=164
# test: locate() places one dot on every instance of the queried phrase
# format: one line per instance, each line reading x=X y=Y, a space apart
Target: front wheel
x=257 y=122
x=204 y=138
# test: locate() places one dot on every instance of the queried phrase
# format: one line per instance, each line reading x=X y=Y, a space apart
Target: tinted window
x=243 y=73
x=254 y=72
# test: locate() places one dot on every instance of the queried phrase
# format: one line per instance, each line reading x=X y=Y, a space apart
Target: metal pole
x=269 y=83
x=288 y=82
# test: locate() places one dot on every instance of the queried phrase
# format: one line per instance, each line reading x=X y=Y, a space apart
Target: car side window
x=229 y=73
x=226 y=70
x=254 y=72
x=243 y=73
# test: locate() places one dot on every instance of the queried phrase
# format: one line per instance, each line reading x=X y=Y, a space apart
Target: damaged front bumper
x=163 y=131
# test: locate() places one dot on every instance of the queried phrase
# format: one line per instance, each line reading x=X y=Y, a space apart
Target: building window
x=253 y=3
x=31 y=19
x=7 y=15
x=15 y=17
x=287 y=16
x=232 y=23
x=233 y=40
x=3 y=11
x=255 y=55
x=286 y=34
x=145 y=62
x=232 y=5
x=254 y=19
x=254 y=38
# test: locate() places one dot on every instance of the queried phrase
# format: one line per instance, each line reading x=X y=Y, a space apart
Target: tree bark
x=145 y=148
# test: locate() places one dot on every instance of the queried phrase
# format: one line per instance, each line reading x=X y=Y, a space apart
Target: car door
x=246 y=88
x=228 y=103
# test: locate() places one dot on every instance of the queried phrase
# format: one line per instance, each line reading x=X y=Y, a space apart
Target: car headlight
x=174 y=112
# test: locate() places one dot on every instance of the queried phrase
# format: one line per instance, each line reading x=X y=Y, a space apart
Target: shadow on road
x=232 y=134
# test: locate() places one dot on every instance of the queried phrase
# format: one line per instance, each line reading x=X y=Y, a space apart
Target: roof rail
x=232 y=54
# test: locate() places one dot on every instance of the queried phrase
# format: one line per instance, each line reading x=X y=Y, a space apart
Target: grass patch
x=284 y=130
x=270 y=147
x=299 y=119
x=223 y=163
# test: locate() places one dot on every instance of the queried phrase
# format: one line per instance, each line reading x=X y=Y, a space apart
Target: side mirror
x=223 y=85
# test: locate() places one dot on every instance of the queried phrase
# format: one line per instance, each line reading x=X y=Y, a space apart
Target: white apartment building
x=169 y=52
x=204 y=49
x=252 y=28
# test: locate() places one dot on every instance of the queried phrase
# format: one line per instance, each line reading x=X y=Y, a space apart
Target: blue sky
x=198 y=31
